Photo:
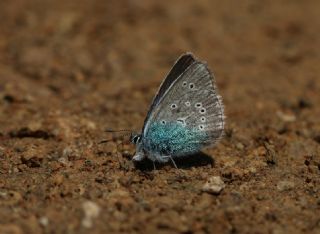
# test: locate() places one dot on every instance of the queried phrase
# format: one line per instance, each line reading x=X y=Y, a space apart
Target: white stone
x=214 y=185
x=91 y=211
x=44 y=221
x=285 y=185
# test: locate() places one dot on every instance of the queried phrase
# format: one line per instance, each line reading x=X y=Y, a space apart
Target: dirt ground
x=70 y=70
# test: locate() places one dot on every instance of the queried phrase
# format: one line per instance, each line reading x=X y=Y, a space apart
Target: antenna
x=121 y=130
x=116 y=137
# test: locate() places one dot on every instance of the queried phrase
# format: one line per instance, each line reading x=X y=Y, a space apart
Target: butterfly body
x=185 y=116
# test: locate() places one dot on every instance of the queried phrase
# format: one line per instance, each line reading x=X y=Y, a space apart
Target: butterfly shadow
x=194 y=160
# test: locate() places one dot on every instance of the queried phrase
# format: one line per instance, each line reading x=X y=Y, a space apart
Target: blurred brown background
x=70 y=69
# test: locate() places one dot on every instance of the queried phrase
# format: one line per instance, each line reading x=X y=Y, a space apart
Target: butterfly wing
x=178 y=68
x=191 y=101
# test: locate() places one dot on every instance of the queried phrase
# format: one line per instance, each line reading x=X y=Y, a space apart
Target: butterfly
x=186 y=114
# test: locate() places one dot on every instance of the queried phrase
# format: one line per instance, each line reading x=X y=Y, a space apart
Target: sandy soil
x=70 y=70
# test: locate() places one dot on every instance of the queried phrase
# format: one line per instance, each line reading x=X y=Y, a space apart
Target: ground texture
x=69 y=70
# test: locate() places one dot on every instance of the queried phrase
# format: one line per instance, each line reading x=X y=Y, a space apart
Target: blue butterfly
x=186 y=114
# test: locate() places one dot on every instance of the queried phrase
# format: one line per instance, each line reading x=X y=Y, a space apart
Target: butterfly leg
x=173 y=162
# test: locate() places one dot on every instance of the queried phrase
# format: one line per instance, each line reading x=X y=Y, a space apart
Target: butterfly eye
x=203 y=119
x=173 y=106
x=184 y=84
x=135 y=139
x=198 y=105
x=191 y=85
x=203 y=110
x=163 y=122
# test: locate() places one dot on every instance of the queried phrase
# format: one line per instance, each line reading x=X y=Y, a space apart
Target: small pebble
x=91 y=211
x=15 y=170
x=286 y=117
x=271 y=156
x=285 y=185
x=44 y=221
x=63 y=161
x=67 y=152
x=240 y=146
x=214 y=185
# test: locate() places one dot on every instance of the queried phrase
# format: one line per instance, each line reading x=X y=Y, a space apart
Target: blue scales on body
x=173 y=139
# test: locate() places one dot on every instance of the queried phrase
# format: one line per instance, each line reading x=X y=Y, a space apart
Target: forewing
x=178 y=68
x=192 y=101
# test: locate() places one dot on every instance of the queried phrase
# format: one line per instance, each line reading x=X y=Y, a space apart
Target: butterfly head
x=136 y=139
